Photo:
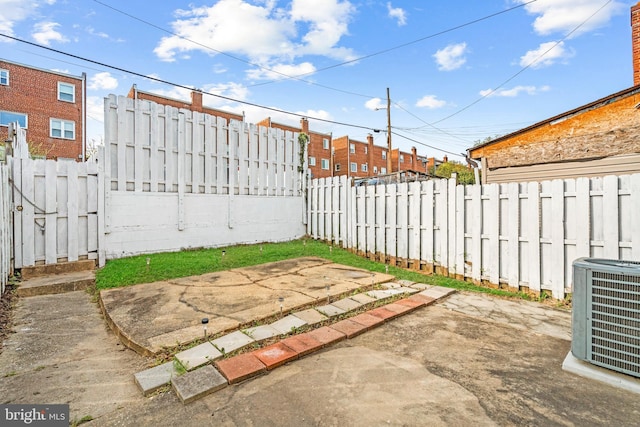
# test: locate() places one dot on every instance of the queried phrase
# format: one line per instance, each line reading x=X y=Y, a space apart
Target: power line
x=123 y=70
x=525 y=67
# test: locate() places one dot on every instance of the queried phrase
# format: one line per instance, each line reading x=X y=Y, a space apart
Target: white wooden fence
x=6 y=230
x=515 y=235
x=178 y=179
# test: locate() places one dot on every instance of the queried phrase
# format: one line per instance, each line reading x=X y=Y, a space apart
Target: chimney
x=414 y=158
x=370 y=155
x=635 y=42
x=445 y=159
x=196 y=100
x=304 y=125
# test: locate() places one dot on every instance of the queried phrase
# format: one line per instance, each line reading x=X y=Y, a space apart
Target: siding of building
x=34 y=92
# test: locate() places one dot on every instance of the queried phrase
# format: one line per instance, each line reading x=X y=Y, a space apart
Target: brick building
x=319 y=146
x=596 y=139
x=194 y=105
x=50 y=105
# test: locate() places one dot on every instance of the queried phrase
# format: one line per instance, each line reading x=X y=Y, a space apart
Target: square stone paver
x=330 y=310
x=347 y=304
x=362 y=298
x=262 y=332
x=349 y=327
x=422 y=298
x=310 y=316
x=198 y=356
x=411 y=302
x=399 y=309
x=196 y=384
x=288 y=324
x=408 y=283
x=383 y=293
x=152 y=379
x=327 y=335
x=241 y=367
x=437 y=292
x=275 y=355
x=367 y=320
x=419 y=286
x=382 y=313
x=231 y=342
x=303 y=344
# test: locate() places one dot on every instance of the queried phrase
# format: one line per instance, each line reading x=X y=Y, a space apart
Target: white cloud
x=374 y=104
x=280 y=71
x=46 y=32
x=229 y=90
x=545 y=55
x=261 y=31
x=103 y=81
x=14 y=11
x=398 y=14
x=515 y=91
x=451 y=57
x=564 y=15
x=430 y=101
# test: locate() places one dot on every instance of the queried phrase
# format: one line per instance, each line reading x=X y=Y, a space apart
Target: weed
x=10 y=374
x=75 y=422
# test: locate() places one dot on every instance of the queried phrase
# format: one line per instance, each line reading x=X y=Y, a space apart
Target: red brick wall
x=635 y=42
x=195 y=105
x=35 y=92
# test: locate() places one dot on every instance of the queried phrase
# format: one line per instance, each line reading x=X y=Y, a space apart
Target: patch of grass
x=10 y=374
x=171 y=265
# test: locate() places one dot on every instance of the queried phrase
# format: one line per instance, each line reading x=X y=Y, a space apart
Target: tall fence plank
x=6 y=230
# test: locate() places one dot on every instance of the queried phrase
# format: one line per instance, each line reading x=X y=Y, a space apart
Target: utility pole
x=389 y=163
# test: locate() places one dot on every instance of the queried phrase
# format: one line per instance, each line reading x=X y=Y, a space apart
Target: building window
x=384 y=155
x=401 y=158
x=312 y=161
x=383 y=171
x=63 y=129
x=66 y=92
x=354 y=167
x=8 y=117
x=352 y=148
x=337 y=167
x=325 y=143
x=364 y=167
x=4 y=77
x=366 y=150
x=325 y=164
x=375 y=170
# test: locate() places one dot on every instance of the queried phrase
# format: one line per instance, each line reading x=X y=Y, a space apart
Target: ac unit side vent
x=614 y=314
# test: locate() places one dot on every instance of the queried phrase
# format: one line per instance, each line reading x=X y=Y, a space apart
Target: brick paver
x=327 y=335
x=303 y=344
x=368 y=320
x=241 y=367
x=382 y=313
x=275 y=355
x=349 y=327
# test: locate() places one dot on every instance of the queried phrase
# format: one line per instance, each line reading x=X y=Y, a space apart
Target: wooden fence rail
x=516 y=235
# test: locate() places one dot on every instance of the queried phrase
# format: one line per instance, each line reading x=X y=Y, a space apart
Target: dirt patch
x=6 y=313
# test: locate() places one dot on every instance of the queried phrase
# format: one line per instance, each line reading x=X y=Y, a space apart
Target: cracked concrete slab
x=151 y=316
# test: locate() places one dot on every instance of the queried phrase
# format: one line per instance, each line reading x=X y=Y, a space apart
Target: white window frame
x=352 y=148
x=354 y=167
x=26 y=119
x=375 y=170
x=384 y=155
x=401 y=158
x=383 y=171
x=364 y=167
x=337 y=166
x=61 y=92
x=325 y=143
x=4 y=77
x=324 y=164
x=62 y=128
x=312 y=161
x=366 y=150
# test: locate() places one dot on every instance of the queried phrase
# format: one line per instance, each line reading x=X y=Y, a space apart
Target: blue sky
x=454 y=77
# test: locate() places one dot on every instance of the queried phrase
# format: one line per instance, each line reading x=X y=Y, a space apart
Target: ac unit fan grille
x=615 y=322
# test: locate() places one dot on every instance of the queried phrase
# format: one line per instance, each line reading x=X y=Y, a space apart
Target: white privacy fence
x=519 y=235
x=6 y=230
x=177 y=179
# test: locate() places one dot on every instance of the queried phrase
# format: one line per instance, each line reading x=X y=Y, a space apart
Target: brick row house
x=50 y=105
